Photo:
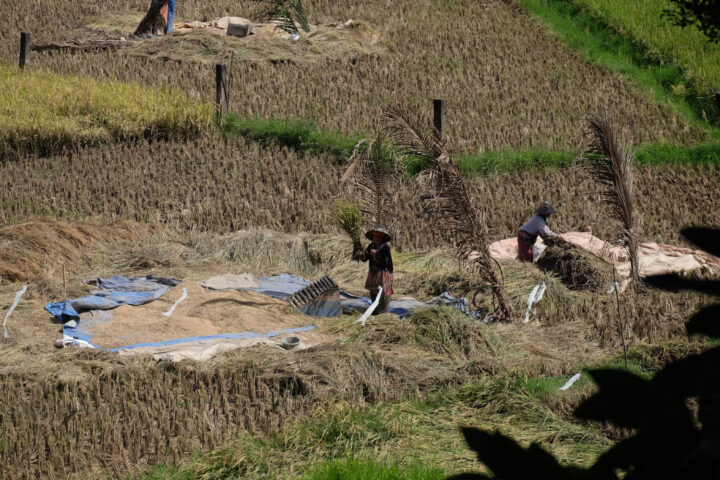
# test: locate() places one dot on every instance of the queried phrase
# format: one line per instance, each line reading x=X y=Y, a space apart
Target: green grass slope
x=643 y=21
x=613 y=46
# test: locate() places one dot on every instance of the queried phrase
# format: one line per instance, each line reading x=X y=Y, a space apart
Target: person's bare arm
x=545 y=232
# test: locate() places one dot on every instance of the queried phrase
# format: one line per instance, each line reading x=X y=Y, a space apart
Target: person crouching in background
x=536 y=226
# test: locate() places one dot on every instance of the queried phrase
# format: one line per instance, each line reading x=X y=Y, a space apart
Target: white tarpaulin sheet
x=655 y=259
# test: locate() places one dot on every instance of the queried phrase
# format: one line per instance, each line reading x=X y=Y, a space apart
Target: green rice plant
x=44 y=112
x=296 y=133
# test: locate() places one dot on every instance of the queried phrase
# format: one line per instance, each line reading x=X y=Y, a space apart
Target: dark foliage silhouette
x=704 y=14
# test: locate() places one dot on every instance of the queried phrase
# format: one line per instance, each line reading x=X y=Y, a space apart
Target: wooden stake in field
x=25 y=49
x=438 y=114
x=221 y=89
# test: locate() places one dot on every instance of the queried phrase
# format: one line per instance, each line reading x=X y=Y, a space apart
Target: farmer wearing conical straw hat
x=536 y=226
x=380 y=264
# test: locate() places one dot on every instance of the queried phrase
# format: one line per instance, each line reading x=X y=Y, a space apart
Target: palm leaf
x=611 y=158
x=300 y=15
x=287 y=14
x=372 y=178
x=444 y=196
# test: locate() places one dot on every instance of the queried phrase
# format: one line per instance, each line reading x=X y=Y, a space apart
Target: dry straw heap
x=576 y=267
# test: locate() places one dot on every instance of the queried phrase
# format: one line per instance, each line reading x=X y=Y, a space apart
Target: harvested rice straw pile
x=576 y=267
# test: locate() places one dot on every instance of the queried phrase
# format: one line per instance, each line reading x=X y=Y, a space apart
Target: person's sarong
x=380 y=278
x=525 y=253
x=384 y=279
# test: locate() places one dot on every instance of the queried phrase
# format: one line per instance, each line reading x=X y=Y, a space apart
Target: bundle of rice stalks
x=576 y=267
x=433 y=332
x=448 y=332
x=347 y=217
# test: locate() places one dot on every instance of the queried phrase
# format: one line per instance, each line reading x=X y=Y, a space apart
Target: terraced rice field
x=508 y=82
x=215 y=185
x=133 y=187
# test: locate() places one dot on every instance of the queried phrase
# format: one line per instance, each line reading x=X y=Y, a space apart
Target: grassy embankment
x=41 y=112
x=602 y=38
x=687 y=48
x=305 y=136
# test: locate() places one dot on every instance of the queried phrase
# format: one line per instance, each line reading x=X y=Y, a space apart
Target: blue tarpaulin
x=141 y=284
x=116 y=292
x=281 y=286
x=71 y=309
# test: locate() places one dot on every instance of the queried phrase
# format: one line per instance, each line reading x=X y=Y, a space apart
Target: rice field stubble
x=507 y=81
x=214 y=185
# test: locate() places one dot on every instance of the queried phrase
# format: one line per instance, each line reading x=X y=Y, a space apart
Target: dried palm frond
x=288 y=14
x=372 y=176
x=611 y=158
x=445 y=197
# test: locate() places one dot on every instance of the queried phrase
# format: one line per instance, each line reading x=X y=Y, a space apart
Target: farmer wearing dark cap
x=380 y=273
x=536 y=226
